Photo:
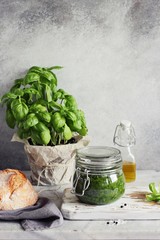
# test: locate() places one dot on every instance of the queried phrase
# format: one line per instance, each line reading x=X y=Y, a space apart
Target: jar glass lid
x=99 y=156
x=98 y=151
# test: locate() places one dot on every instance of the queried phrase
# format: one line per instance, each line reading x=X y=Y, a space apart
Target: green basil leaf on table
x=154 y=195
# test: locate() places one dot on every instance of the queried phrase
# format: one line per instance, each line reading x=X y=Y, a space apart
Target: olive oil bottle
x=124 y=138
x=129 y=170
x=128 y=164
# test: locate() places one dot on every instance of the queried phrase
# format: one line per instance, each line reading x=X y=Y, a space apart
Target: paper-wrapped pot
x=52 y=165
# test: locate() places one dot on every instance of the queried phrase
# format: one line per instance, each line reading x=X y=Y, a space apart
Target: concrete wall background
x=110 y=51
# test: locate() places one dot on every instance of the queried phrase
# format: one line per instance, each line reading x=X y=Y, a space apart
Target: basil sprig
x=40 y=111
x=155 y=194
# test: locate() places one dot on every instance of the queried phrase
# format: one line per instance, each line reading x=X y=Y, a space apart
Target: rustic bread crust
x=16 y=191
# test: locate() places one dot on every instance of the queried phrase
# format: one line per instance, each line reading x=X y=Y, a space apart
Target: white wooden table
x=96 y=229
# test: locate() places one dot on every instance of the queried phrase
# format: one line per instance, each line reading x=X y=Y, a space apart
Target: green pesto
x=102 y=189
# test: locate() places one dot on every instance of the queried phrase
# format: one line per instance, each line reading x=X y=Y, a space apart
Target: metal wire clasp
x=85 y=179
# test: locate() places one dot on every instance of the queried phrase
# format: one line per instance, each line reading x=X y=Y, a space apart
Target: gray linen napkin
x=44 y=214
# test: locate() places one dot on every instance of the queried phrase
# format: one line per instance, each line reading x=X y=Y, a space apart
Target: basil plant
x=42 y=113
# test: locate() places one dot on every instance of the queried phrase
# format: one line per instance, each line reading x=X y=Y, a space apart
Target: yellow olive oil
x=129 y=170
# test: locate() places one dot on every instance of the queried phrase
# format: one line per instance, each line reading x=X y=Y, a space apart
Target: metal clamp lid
x=86 y=181
x=124 y=134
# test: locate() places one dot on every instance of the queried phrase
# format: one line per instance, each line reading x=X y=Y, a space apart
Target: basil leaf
x=57 y=95
x=55 y=78
x=67 y=132
x=54 y=67
x=153 y=188
x=36 y=107
x=31 y=77
x=154 y=195
x=35 y=137
x=57 y=121
x=54 y=105
x=19 y=81
x=9 y=96
x=49 y=76
x=30 y=121
x=48 y=93
x=10 y=118
x=31 y=91
x=19 y=109
x=18 y=92
x=35 y=69
x=71 y=116
x=75 y=126
x=83 y=131
x=44 y=116
x=45 y=137
x=70 y=102
x=40 y=127
x=23 y=134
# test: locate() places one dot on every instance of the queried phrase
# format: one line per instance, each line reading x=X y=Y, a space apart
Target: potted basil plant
x=48 y=122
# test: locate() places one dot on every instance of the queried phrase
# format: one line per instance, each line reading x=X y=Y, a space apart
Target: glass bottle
x=98 y=177
x=125 y=139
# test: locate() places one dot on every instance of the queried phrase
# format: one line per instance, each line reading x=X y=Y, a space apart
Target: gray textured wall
x=110 y=51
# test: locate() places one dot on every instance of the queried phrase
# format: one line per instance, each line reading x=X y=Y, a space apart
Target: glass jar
x=98 y=177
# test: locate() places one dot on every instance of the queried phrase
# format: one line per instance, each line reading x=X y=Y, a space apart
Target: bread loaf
x=16 y=191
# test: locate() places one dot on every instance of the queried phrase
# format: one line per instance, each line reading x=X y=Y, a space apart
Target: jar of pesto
x=98 y=177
